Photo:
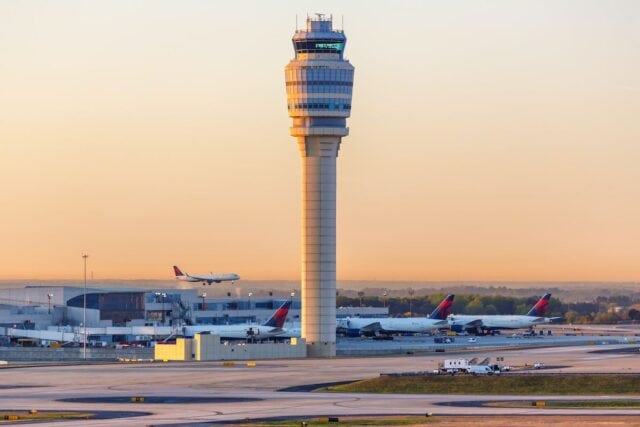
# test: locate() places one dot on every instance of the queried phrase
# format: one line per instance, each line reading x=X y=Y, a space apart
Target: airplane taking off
x=389 y=325
x=269 y=329
x=484 y=323
x=206 y=279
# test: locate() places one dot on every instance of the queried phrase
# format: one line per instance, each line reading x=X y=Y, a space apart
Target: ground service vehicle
x=452 y=366
x=481 y=370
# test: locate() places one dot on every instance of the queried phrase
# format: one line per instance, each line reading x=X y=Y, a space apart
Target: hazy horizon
x=390 y=284
x=565 y=291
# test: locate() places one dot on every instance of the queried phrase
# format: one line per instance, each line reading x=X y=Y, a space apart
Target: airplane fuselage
x=243 y=331
x=391 y=324
x=489 y=322
x=209 y=278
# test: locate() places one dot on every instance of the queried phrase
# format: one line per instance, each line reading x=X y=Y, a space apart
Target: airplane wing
x=461 y=325
x=473 y=323
x=372 y=327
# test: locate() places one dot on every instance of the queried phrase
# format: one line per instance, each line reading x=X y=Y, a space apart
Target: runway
x=235 y=393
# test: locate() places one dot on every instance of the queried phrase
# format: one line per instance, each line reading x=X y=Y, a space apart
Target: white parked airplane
x=483 y=323
x=269 y=329
x=206 y=279
x=388 y=325
x=293 y=330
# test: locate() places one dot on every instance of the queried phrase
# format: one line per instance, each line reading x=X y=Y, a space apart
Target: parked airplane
x=388 y=325
x=206 y=279
x=269 y=329
x=483 y=323
x=293 y=330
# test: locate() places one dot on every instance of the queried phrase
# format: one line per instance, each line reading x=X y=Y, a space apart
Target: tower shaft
x=319 y=155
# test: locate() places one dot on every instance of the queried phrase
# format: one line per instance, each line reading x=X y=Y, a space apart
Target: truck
x=443 y=340
x=453 y=366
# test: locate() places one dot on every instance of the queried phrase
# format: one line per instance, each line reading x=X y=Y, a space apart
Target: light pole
x=411 y=292
x=157 y=294
x=384 y=299
x=360 y=294
x=49 y=296
x=84 y=310
x=163 y=295
x=250 y=294
x=204 y=294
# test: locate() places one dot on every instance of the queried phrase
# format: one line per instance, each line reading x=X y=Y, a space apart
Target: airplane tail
x=443 y=309
x=540 y=309
x=278 y=318
x=177 y=271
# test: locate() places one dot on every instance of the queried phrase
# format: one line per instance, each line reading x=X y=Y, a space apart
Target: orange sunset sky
x=490 y=140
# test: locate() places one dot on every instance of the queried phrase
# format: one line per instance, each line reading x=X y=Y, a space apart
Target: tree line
x=612 y=309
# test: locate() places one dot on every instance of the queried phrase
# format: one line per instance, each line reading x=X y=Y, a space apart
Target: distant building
x=41 y=307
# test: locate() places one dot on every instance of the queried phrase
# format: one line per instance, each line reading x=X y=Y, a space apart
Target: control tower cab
x=319 y=87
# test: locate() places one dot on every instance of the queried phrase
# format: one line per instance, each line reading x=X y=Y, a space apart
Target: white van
x=480 y=370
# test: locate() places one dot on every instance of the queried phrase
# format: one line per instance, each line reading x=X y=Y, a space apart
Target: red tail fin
x=177 y=271
x=540 y=309
x=444 y=309
x=278 y=318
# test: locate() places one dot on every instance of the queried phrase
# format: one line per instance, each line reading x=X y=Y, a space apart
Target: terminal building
x=48 y=307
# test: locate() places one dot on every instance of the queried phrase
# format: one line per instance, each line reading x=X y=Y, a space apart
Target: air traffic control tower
x=319 y=87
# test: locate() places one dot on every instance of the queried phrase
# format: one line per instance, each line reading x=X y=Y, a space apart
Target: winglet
x=278 y=318
x=443 y=309
x=177 y=271
x=540 y=308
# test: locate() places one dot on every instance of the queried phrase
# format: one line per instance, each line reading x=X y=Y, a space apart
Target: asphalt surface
x=368 y=346
x=209 y=392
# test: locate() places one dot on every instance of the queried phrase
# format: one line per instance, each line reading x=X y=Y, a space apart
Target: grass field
x=350 y=421
x=559 y=384
x=475 y=421
x=572 y=404
x=12 y=416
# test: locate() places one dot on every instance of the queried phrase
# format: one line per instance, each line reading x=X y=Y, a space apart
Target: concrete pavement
x=211 y=379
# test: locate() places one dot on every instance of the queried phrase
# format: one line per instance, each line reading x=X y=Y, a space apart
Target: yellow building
x=181 y=350
x=209 y=347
